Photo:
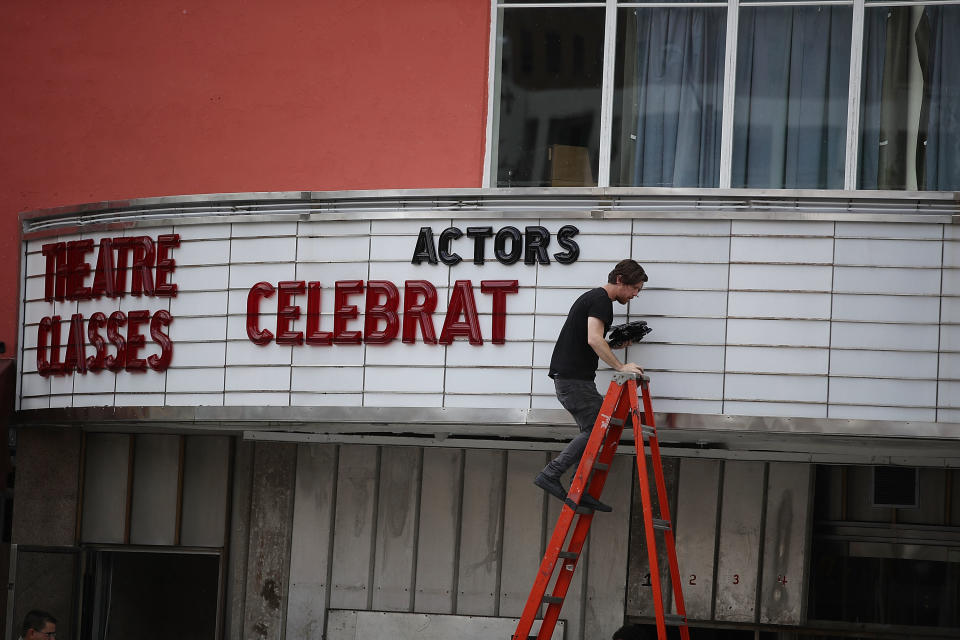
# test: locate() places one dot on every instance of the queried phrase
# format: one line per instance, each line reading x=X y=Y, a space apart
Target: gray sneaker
x=550 y=485
x=587 y=500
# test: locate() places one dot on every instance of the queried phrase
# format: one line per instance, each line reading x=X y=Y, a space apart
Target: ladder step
x=616 y=422
x=569 y=555
x=552 y=600
x=662 y=525
x=647 y=431
x=600 y=466
x=674 y=620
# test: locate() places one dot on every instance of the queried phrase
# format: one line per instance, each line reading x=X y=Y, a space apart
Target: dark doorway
x=150 y=596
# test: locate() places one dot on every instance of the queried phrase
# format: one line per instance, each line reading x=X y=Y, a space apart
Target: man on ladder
x=573 y=367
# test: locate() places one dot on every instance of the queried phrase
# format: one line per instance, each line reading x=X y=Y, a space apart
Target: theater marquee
x=105 y=317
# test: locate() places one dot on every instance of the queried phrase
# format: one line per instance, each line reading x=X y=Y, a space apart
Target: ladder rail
x=663 y=502
x=649 y=532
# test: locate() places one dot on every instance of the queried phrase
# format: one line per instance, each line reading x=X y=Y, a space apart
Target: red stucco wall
x=105 y=100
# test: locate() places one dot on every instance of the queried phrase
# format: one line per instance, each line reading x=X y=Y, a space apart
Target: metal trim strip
x=593 y=203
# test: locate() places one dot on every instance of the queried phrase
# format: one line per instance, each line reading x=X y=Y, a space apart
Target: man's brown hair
x=36 y=620
x=629 y=272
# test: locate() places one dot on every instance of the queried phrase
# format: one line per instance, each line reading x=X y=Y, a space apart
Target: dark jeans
x=583 y=401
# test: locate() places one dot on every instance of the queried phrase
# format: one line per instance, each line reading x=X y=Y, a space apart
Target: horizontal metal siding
x=440 y=531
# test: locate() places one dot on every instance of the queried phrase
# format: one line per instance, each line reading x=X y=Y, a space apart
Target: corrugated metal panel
x=786 y=543
x=206 y=471
x=105 y=488
x=476 y=522
x=523 y=529
x=268 y=556
x=696 y=526
x=310 y=541
x=156 y=471
x=741 y=529
x=481 y=535
x=440 y=500
x=393 y=571
x=354 y=527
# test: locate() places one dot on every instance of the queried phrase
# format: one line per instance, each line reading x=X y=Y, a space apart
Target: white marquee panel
x=680 y=248
x=888 y=253
x=794 y=333
x=889 y=230
x=880 y=308
x=727 y=300
x=778 y=277
x=779 y=250
x=782 y=228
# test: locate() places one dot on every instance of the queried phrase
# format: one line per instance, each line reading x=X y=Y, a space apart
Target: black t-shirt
x=573 y=357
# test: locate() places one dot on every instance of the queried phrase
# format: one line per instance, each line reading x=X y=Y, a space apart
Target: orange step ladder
x=620 y=408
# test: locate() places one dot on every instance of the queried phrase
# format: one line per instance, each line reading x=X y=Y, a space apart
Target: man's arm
x=599 y=345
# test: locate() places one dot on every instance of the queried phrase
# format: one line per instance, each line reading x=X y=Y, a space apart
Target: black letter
x=515 y=246
x=479 y=235
x=572 y=252
x=536 y=245
x=448 y=234
x=425 y=249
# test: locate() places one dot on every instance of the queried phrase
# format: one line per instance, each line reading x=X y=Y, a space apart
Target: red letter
x=161 y=318
x=286 y=313
x=386 y=312
x=461 y=301
x=95 y=362
x=56 y=365
x=105 y=277
x=419 y=312
x=135 y=340
x=76 y=357
x=499 y=289
x=54 y=275
x=166 y=265
x=257 y=291
x=78 y=269
x=43 y=332
x=314 y=335
x=117 y=319
x=143 y=255
x=342 y=312
x=122 y=247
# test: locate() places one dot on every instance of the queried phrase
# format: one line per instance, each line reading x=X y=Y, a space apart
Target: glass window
x=790 y=114
x=551 y=72
x=677 y=98
x=668 y=97
x=910 y=98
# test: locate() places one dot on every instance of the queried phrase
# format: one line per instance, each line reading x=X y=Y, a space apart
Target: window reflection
x=549 y=103
x=669 y=96
x=793 y=70
x=910 y=99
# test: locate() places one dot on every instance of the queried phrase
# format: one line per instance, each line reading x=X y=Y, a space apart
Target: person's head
x=626 y=280
x=631 y=632
x=39 y=625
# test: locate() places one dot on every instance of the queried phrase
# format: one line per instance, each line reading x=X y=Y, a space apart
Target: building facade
x=312 y=402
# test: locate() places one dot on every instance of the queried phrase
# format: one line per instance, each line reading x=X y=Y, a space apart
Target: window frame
x=611 y=7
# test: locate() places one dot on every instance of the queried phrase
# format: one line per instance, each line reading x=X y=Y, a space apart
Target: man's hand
x=602 y=348
x=631 y=367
